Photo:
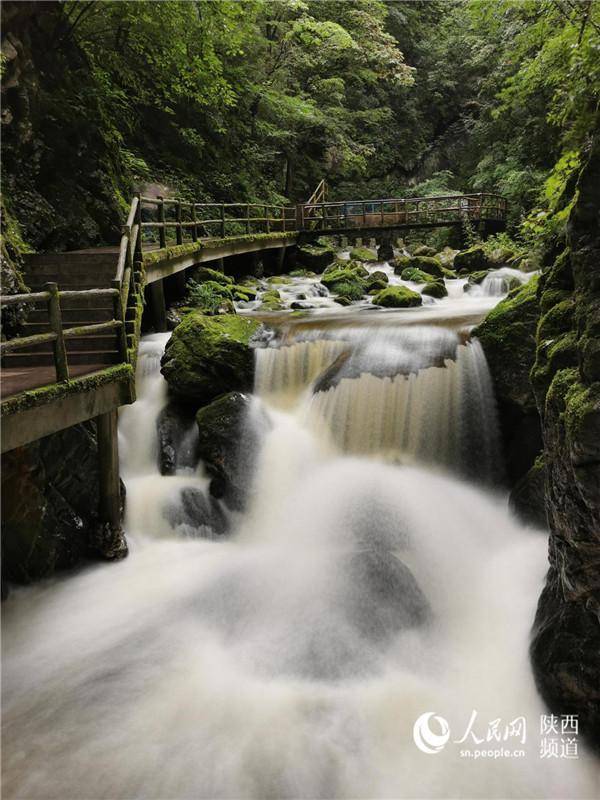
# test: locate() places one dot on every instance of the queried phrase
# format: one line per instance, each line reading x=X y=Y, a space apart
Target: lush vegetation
x=255 y=99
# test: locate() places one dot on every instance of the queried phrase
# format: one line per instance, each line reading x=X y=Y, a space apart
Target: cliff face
x=60 y=169
x=565 y=648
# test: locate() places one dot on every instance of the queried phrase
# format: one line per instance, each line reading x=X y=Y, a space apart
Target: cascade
x=369 y=580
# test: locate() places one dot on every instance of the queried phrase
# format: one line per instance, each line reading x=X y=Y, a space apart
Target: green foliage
x=205 y=296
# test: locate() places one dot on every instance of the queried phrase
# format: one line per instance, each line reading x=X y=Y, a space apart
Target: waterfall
x=292 y=658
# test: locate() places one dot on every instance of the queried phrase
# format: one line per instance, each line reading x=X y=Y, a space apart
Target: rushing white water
x=291 y=659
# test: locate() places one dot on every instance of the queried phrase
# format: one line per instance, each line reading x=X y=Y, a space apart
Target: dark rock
x=528 y=497
x=177 y=439
x=229 y=437
x=435 y=289
x=195 y=514
x=473 y=259
x=386 y=598
x=565 y=647
x=385 y=250
x=50 y=500
x=423 y=250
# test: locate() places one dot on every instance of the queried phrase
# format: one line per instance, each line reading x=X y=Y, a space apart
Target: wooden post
x=55 y=319
x=119 y=315
x=267 y=219
x=364 y=215
x=222 y=220
x=162 y=231
x=137 y=255
x=248 y=218
x=178 y=229
x=299 y=216
x=108 y=457
x=157 y=305
x=194 y=226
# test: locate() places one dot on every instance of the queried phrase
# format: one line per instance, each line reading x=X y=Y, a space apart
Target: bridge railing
x=166 y=221
x=403 y=211
x=51 y=297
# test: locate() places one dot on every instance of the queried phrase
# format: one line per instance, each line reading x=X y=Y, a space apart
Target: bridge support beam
x=158 y=308
x=385 y=250
x=110 y=538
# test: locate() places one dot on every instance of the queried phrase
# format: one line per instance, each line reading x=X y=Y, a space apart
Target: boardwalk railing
x=165 y=221
x=409 y=212
x=160 y=222
x=51 y=297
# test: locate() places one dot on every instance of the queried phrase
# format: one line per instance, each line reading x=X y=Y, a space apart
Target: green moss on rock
x=427 y=264
x=209 y=356
x=397 y=297
x=362 y=254
x=435 y=289
x=416 y=275
x=473 y=259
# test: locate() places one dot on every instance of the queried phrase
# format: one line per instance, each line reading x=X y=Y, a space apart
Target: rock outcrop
x=50 y=500
x=508 y=337
x=566 y=639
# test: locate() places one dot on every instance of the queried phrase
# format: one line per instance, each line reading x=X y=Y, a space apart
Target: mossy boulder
x=416 y=275
x=477 y=277
x=435 y=289
x=204 y=274
x=362 y=254
x=281 y=279
x=243 y=292
x=397 y=297
x=400 y=263
x=473 y=259
x=209 y=356
x=345 y=280
x=423 y=250
x=316 y=256
x=446 y=257
x=426 y=264
x=377 y=280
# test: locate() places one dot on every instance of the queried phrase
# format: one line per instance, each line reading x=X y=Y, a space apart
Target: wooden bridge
x=76 y=358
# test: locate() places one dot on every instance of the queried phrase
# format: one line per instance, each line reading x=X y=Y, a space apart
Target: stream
x=374 y=576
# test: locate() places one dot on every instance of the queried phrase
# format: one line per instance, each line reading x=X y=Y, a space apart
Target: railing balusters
x=55 y=320
x=178 y=229
x=162 y=231
x=119 y=315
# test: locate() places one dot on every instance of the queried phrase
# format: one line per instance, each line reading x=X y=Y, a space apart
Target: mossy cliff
x=508 y=337
x=566 y=638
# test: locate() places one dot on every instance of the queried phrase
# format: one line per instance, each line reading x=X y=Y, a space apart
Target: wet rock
x=528 y=497
x=473 y=259
x=50 y=502
x=385 y=251
x=203 y=274
x=386 y=598
x=397 y=297
x=377 y=280
x=566 y=637
x=435 y=289
x=176 y=446
x=195 y=514
x=209 y=356
x=229 y=437
x=507 y=336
